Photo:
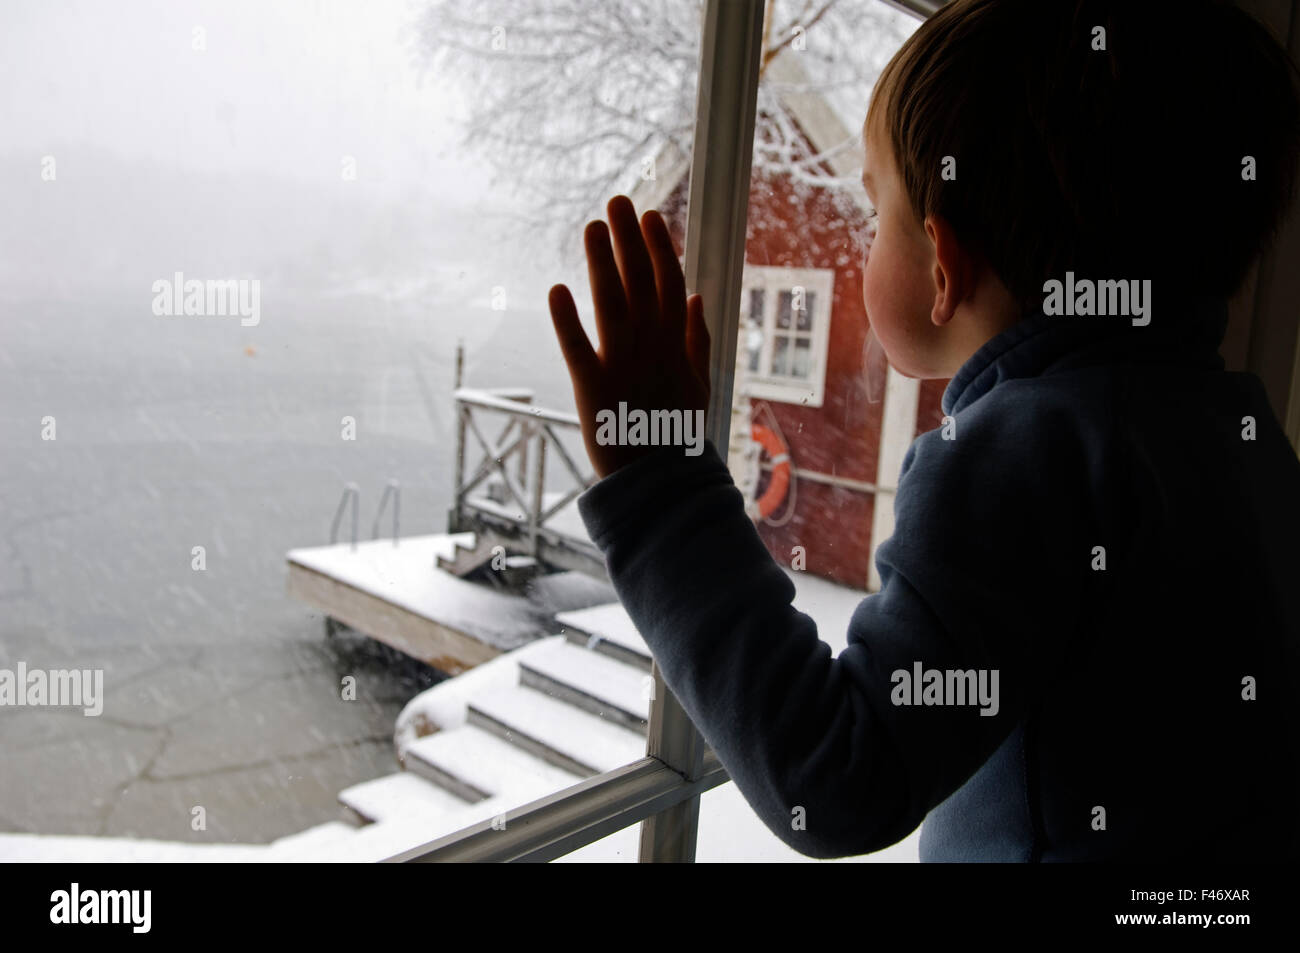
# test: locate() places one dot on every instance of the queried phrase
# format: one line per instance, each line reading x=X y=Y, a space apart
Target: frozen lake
x=172 y=433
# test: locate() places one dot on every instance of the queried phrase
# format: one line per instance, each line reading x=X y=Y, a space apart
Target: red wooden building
x=802 y=363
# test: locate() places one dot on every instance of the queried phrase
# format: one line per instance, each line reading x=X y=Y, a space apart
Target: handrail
x=393 y=489
x=490 y=400
x=353 y=492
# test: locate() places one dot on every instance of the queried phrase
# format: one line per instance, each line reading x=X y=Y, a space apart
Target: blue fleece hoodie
x=1097 y=526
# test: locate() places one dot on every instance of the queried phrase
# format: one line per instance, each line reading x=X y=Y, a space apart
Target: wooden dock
x=515 y=554
x=397 y=595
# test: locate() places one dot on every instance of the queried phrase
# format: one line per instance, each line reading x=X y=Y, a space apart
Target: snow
x=487 y=763
x=401 y=832
x=406 y=575
x=609 y=622
x=396 y=796
x=614 y=684
x=565 y=729
x=43 y=848
x=445 y=708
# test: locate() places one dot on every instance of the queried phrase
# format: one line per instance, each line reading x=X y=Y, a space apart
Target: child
x=1085 y=644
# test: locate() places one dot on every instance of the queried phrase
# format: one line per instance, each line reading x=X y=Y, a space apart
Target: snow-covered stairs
x=556 y=732
x=592 y=681
x=560 y=710
x=396 y=795
x=607 y=630
x=475 y=764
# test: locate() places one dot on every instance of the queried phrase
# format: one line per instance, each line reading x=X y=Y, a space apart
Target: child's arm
x=816 y=744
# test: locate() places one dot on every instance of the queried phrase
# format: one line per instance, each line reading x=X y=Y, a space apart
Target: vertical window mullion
x=769 y=323
x=716 y=214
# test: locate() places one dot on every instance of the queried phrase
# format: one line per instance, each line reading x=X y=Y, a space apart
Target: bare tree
x=565 y=99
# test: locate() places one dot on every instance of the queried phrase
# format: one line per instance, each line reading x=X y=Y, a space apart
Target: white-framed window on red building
x=784 y=332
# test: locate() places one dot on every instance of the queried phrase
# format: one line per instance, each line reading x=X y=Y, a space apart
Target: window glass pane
x=751 y=330
x=547 y=113
x=237 y=284
x=824 y=398
x=822 y=393
x=804 y=314
x=781 y=356
x=802 y=358
x=784 y=301
x=806 y=209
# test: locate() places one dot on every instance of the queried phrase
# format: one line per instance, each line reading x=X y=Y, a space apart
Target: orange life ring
x=779 y=454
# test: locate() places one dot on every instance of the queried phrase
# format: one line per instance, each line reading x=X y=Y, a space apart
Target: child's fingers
x=606 y=288
x=668 y=275
x=697 y=337
x=574 y=344
x=633 y=259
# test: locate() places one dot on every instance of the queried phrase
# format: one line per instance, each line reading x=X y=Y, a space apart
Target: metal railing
x=517 y=458
x=350 y=492
x=394 y=490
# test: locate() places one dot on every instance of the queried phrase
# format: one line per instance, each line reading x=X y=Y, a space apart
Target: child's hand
x=654 y=347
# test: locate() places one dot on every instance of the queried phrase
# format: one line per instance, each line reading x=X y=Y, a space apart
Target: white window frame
x=820 y=283
x=662 y=790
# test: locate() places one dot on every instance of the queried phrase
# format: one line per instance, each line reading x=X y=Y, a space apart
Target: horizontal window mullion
x=562 y=822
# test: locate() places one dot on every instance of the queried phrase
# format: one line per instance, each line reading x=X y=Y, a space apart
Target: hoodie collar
x=1188 y=331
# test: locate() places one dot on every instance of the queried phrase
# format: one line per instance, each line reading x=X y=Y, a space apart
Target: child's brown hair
x=1112 y=138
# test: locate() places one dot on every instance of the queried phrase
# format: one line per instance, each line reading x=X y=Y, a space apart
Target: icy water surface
x=292 y=144
x=220 y=691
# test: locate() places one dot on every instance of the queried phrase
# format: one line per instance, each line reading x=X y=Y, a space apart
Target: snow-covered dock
x=396 y=593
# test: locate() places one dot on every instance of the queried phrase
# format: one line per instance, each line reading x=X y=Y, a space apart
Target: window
x=226 y=435
x=788 y=253
x=785 y=321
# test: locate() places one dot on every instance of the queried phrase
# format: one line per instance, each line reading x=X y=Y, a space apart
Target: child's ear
x=953 y=270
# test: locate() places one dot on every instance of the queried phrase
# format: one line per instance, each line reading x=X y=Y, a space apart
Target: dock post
x=539 y=486
x=458 y=465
